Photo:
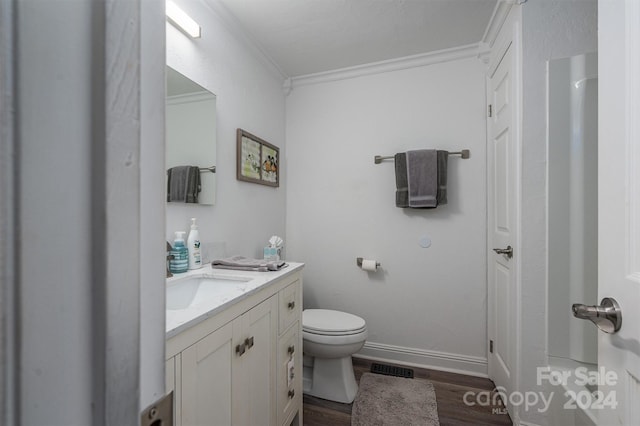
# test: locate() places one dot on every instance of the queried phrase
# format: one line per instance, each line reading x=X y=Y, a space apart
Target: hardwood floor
x=450 y=389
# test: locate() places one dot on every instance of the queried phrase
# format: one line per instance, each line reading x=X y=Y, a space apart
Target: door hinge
x=491 y=346
x=159 y=413
x=490 y=111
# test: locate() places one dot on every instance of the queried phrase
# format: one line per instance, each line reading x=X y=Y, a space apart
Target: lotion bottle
x=193 y=243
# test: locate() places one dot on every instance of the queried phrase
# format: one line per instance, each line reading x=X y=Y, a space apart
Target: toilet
x=329 y=338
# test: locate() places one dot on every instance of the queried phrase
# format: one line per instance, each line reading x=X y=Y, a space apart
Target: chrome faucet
x=169 y=258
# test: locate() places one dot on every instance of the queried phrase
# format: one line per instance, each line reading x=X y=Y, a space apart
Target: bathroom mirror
x=191 y=138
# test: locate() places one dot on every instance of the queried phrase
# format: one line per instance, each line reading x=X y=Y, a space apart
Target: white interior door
x=83 y=340
x=619 y=205
x=501 y=218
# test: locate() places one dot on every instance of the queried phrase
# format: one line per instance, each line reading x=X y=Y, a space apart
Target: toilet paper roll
x=369 y=265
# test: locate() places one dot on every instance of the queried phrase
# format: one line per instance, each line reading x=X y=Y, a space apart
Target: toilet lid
x=325 y=321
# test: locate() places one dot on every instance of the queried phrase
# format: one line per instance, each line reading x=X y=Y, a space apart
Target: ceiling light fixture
x=182 y=21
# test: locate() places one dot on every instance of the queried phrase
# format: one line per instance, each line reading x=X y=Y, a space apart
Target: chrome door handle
x=508 y=251
x=607 y=316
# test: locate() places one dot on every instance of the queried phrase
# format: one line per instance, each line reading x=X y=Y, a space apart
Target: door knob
x=607 y=316
x=508 y=251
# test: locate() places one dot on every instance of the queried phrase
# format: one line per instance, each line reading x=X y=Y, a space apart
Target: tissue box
x=271 y=254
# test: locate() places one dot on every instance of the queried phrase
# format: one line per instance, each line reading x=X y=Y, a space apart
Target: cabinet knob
x=291 y=305
x=240 y=349
x=291 y=349
x=291 y=393
x=248 y=342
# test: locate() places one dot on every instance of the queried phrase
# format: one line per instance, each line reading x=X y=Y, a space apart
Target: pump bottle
x=180 y=261
x=193 y=244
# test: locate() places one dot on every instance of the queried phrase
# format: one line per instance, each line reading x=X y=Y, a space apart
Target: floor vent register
x=390 y=370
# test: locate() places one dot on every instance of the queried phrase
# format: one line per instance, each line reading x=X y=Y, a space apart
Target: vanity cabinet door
x=206 y=389
x=254 y=401
x=289 y=394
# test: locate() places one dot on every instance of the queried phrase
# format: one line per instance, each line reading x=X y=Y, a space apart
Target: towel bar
x=465 y=153
x=211 y=169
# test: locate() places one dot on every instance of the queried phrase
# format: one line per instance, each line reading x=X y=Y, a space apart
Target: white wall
x=249 y=96
x=428 y=302
x=550 y=29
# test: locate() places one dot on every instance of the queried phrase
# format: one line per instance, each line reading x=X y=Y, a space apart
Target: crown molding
x=500 y=13
x=430 y=58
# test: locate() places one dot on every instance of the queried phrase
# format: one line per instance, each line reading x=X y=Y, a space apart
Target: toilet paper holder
x=359 y=262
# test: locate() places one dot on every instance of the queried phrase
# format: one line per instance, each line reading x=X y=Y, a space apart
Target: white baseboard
x=443 y=361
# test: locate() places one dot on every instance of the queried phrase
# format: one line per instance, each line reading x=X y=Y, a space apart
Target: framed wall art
x=258 y=161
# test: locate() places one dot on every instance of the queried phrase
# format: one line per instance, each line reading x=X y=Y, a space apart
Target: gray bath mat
x=393 y=401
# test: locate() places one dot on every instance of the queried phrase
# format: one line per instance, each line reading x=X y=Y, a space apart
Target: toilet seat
x=327 y=322
x=336 y=339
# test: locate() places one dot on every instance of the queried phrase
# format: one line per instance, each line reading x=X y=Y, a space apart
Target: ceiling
x=311 y=36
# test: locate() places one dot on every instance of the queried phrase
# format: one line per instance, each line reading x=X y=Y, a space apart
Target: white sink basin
x=193 y=290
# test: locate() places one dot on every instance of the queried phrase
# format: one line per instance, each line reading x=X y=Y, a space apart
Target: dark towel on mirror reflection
x=402 y=184
x=183 y=184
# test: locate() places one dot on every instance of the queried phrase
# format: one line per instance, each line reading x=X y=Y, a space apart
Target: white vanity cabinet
x=289 y=358
x=242 y=366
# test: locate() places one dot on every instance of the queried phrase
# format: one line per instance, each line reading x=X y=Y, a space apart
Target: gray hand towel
x=441 y=196
x=422 y=178
x=402 y=190
x=242 y=263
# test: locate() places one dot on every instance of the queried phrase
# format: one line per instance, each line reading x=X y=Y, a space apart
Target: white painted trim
x=518 y=88
x=430 y=58
x=500 y=14
x=435 y=360
x=232 y=24
x=10 y=321
x=116 y=233
x=152 y=201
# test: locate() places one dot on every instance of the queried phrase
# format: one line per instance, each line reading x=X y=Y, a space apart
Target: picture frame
x=258 y=161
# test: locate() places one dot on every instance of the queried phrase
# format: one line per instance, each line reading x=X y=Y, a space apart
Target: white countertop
x=179 y=320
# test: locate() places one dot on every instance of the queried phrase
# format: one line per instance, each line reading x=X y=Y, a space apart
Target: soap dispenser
x=193 y=244
x=180 y=261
